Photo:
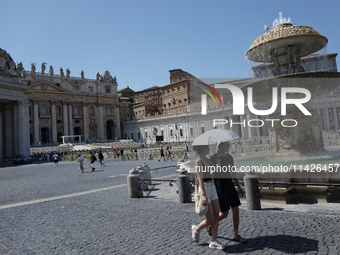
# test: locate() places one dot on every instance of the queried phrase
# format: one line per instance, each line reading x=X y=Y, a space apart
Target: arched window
x=43 y=109
x=57 y=110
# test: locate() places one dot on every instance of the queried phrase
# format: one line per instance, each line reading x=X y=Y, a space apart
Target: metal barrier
x=139 y=181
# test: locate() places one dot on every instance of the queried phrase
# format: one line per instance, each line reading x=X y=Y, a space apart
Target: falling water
x=281 y=20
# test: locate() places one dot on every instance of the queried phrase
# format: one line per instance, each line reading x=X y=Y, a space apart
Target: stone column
x=244 y=130
x=65 y=120
x=227 y=125
x=54 y=122
x=8 y=131
x=117 y=122
x=36 y=122
x=70 y=120
x=237 y=124
x=100 y=122
x=251 y=131
x=26 y=131
x=335 y=118
x=85 y=123
x=186 y=132
x=258 y=123
x=265 y=131
x=15 y=129
x=22 y=127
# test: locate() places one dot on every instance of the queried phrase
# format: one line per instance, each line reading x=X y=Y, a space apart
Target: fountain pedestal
x=303 y=140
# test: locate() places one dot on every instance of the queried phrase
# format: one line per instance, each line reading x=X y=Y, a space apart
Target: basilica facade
x=72 y=108
x=43 y=108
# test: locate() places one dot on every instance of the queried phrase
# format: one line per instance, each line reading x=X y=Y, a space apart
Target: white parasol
x=215 y=136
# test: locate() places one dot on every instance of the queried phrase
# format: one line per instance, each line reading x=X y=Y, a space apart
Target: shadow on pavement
x=281 y=243
x=272 y=209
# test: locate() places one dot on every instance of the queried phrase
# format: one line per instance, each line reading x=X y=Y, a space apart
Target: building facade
x=14 y=129
x=184 y=122
x=147 y=102
x=40 y=108
x=74 y=107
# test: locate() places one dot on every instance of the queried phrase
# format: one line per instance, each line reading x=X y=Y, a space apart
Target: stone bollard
x=251 y=185
x=184 y=186
x=134 y=188
x=179 y=163
x=142 y=173
x=148 y=172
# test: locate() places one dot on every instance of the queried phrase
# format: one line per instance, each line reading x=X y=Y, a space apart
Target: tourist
x=81 y=163
x=226 y=191
x=101 y=159
x=92 y=158
x=168 y=153
x=209 y=196
x=55 y=157
x=162 y=154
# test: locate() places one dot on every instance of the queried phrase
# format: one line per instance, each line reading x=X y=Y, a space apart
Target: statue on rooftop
x=33 y=68
x=43 y=67
x=51 y=70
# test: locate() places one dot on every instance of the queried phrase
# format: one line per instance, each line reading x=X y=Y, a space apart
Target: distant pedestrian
x=162 y=154
x=101 y=159
x=81 y=163
x=55 y=157
x=168 y=153
x=92 y=160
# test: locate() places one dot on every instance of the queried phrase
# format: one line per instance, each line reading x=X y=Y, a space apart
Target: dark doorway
x=77 y=131
x=110 y=132
x=59 y=139
x=45 y=135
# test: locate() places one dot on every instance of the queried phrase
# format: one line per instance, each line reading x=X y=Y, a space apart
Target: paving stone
x=108 y=222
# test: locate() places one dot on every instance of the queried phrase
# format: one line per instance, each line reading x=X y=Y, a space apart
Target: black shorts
x=228 y=197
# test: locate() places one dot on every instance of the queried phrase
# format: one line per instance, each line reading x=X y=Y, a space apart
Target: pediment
x=46 y=86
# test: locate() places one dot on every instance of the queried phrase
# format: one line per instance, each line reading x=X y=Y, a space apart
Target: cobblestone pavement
x=66 y=212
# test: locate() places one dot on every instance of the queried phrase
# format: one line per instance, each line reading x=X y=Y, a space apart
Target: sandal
x=239 y=239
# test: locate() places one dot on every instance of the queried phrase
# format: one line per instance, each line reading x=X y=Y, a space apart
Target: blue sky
x=139 y=41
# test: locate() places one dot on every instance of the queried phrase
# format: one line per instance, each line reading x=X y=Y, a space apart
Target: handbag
x=200 y=209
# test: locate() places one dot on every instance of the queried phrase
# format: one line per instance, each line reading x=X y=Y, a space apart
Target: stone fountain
x=283 y=46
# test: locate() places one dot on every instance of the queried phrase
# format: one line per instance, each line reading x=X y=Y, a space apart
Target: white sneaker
x=195 y=234
x=216 y=245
